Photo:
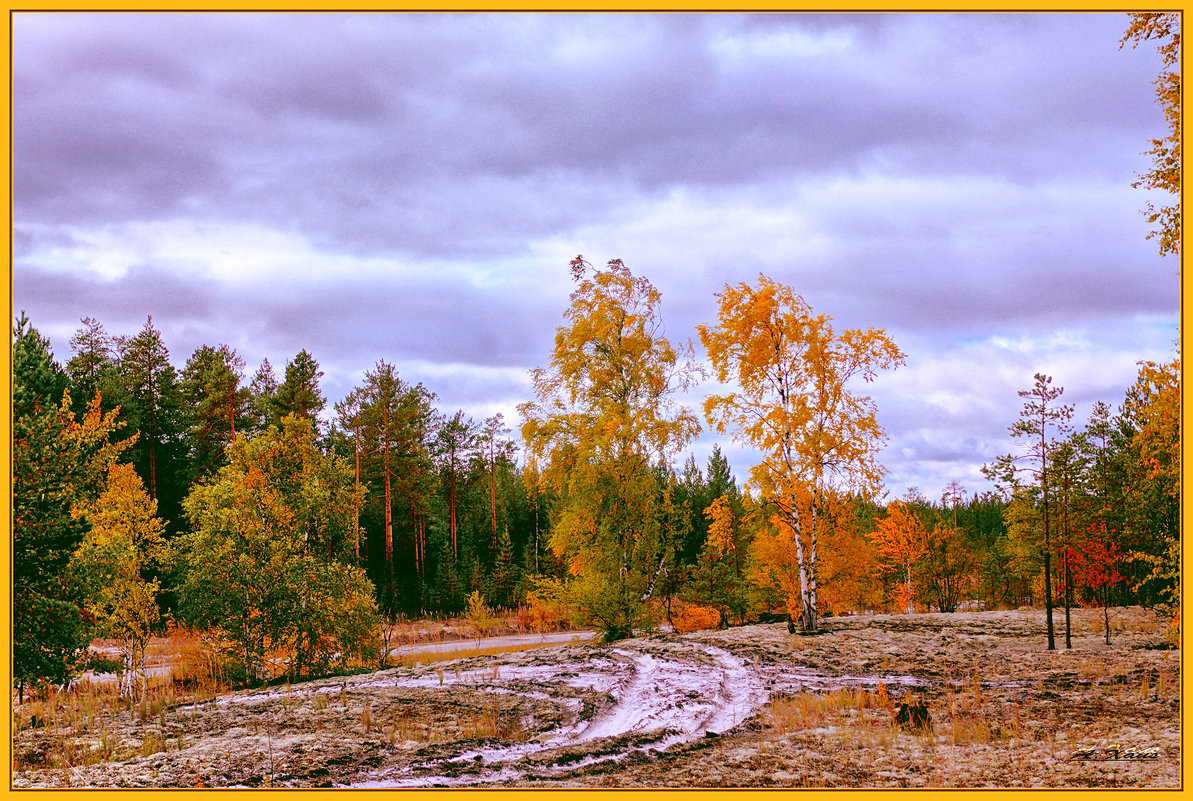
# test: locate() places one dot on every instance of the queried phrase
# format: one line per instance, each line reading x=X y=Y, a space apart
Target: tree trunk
x=1068 y=572
x=1047 y=540
x=803 y=572
x=356 y=500
x=451 y=473
x=152 y=438
x=1106 y=611
x=389 y=512
x=389 y=524
x=152 y=471
x=808 y=621
x=493 y=491
x=910 y=606
x=1068 y=602
x=422 y=545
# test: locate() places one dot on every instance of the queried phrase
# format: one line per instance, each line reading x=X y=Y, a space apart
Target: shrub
x=538 y=616
x=693 y=617
x=479 y=615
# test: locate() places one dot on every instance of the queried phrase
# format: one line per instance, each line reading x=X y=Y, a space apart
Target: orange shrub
x=693 y=618
x=538 y=616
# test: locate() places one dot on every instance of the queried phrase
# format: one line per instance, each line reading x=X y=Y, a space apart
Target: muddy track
x=650 y=695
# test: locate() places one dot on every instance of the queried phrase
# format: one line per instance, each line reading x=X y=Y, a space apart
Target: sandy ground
x=748 y=706
x=503 y=641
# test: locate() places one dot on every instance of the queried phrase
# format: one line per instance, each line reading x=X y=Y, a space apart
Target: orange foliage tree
x=900 y=538
x=849 y=564
x=817 y=436
x=1165 y=29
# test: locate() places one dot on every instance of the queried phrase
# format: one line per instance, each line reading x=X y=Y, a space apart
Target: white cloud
x=738 y=49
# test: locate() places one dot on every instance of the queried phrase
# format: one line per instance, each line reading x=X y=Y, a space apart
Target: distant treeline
x=125 y=466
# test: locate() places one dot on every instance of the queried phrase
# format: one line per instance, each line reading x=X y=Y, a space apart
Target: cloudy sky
x=412 y=187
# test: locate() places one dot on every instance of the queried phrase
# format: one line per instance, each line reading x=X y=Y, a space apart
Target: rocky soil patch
x=749 y=706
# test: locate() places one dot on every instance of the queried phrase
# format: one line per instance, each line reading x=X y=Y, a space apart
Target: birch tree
x=603 y=417
x=124 y=543
x=817 y=436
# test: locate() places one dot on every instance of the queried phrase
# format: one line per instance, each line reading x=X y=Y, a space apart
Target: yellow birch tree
x=125 y=540
x=604 y=417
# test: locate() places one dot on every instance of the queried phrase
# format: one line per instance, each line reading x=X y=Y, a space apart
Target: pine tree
x=505 y=571
x=263 y=389
x=93 y=366
x=1041 y=422
x=299 y=393
x=455 y=440
x=151 y=404
x=392 y=419
x=218 y=406
x=38 y=381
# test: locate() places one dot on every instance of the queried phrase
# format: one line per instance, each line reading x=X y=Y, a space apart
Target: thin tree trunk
x=356 y=499
x=152 y=471
x=152 y=438
x=910 y=606
x=1068 y=573
x=1106 y=611
x=389 y=521
x=1068 y=602
x=389 y=514
x=493 y=491
x=802 y=565
x=1047 y=539
x=451 y=472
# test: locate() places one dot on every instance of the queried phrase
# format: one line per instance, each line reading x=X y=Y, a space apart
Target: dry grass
x=487 y=722
x=811 y=710
x=865 y=718
x=77 y=728
x=534 y=617
x=1004 y=712
x=849 y=717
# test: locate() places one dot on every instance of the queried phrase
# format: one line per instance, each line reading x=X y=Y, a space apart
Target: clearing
x=748 y=706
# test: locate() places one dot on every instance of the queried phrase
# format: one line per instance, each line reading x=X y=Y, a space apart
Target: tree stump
x=913 y=714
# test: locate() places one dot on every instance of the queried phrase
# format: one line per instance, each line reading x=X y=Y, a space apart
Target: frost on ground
x=706 y=709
